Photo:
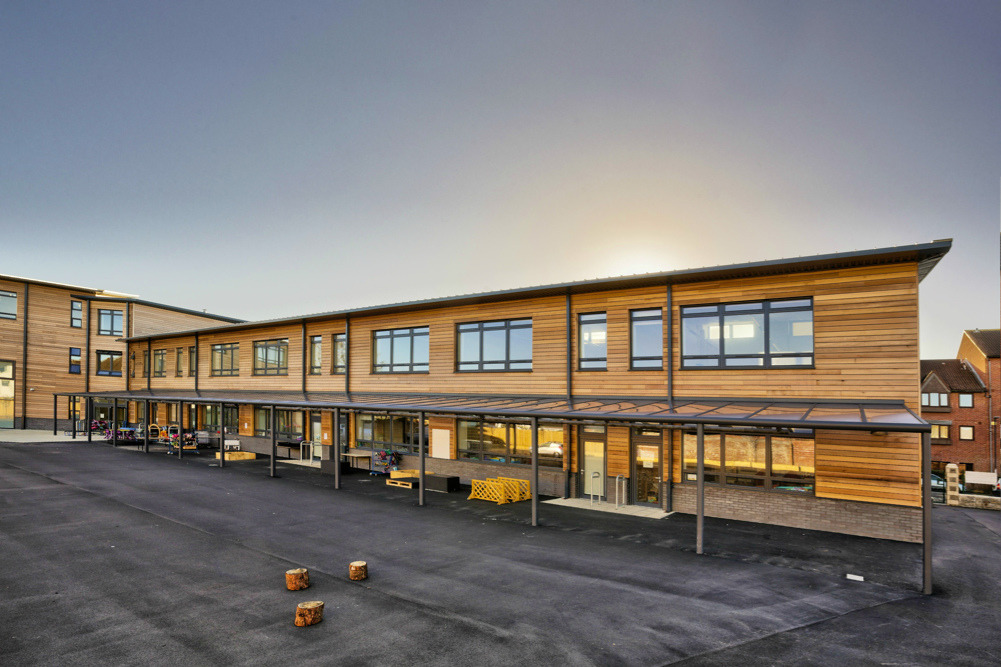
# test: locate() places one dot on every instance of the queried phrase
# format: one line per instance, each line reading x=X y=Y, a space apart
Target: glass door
x=7 y=394
x=592 y=440
x=647 y=446
x=315 y=436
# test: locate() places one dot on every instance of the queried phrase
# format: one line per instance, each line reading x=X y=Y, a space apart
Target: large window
x=340 y=353
x=179 y=362
x=401 y=350
x=939 y=431
x=76 y=314
x=315 y=355
x=226 y=359
x=74 y=360
x=934 y=400
x=109 y=322
x=646 y=339
x=398 y=434
x=496 y=442
x=592 y=332
x=192 y=360
x=495 y=346
x=767 y=462
x=762 y=334
x=8 y=305
x=159 y=363
x=262 y=421
x=271 y=357
x=109 y=363
x=289 y=425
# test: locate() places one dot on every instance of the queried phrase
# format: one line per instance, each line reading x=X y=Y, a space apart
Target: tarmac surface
x=117 y=557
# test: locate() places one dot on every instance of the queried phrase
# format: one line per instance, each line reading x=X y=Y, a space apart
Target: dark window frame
x=392 y=335
x=633 y=358
x=160 y=363
x=179 y=362
x=507 y=326
x=192 y=360
x=316 y=355
x=966 y=396
x=9 y=315
x=410 y=443
x=115 y=316
x=510 y=456
x=258 y=412
x=146 y=363
x=74 y=368
x=111 y=354
x=338 y=340
x=581 y=359
x=973 y=433
x=76 y=314
x=265 y=367
x=227 y=351
x=769 y=477
x=940 y=432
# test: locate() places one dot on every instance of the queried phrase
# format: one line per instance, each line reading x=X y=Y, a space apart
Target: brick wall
x=887 y=522
x=976 y=451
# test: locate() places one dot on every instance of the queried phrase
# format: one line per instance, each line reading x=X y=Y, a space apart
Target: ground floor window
x=262 y=421
x=498 y=442
x=391 y=433
x=290 y=425
x=767 y=462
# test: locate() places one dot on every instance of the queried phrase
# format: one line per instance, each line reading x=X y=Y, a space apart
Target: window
x=401 y=350
x=271 y=357
x=159 y=363
x=398 y=434
x=75 y=360
x=495 y=346
x=646 y=339
x=145 y=363
x=496 y=442
x=109 y=322
x=966 y=400
x=593 y=341
x=966 y=433
x=132 y=365
x=109 y=363
x=192 y=360
x=934 y=400
x=766 y=462
x=939 y=431
x=76 y=314
x=226 y=359
x=8 y=305
x=340 y=353
x=762 y=334
x=262 y=421
x=289 y=425
x=315 y=355
x=179 y=362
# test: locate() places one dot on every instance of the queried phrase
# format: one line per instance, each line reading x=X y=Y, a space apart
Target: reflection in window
x=401 y=350
x=75 y=360
x=646 y=339
x=593 y=339
x=498 y=442
x=226 y=359
x=109 y=363
x=340 y=353
x=390 y=433
x=8 y=305
x=271 y=357
x=315 y=355
x=109 y=322
x=495 y=346
x=761 y=334
x=766 y=462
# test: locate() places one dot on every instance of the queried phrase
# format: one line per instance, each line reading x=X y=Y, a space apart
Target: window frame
x=192 y=360
x=179 y=362
x=510 y=457
x=769 y=478
x=79 y=361
x=115 y=315
x=160 y=363
x=230 y=351
x=581 y=359
x=12 y=315
x=392 y=335
x=410 y=439
x=111 y=354
x=316 y=355
x=926 y=400
x=940 y=432
x=966 y=396
x=146 y=368
x=76 y=314
x=767 y=307
x=258 y=412
x=633 y=319
x=507 y=326
x=271 y=368
x=338 y=340
x=971 y=431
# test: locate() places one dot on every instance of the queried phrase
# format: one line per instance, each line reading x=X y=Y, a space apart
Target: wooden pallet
x=403 y=482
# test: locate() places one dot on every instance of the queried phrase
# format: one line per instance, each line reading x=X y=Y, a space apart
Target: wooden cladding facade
x=865 y=336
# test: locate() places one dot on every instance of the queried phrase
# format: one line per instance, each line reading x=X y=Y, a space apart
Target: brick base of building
x=552 y=481
x=887 y=522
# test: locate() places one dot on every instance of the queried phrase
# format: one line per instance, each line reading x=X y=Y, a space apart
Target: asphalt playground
x=112 y=556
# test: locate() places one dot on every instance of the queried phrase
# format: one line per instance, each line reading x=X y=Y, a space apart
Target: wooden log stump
x=297 y=579
x=358 y=570
x=308 y=613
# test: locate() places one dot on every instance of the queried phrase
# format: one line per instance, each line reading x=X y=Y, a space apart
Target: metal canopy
x=745 y=412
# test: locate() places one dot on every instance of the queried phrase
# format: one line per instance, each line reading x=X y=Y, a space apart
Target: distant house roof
x=988 y=340
x=953 y=373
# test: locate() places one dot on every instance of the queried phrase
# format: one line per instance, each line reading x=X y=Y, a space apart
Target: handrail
x=593 y=485
x=619 y=503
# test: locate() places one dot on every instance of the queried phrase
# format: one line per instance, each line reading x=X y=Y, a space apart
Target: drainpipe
x=24 y=364
x=347 y=355
x=566 y=453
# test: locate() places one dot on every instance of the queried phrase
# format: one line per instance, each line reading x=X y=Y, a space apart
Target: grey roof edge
x=927 y=255
x=154 y=304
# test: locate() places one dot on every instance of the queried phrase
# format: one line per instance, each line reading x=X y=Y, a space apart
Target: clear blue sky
x=264 y=159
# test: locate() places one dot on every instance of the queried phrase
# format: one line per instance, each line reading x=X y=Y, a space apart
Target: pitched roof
x=988 y=340
x=956 y=375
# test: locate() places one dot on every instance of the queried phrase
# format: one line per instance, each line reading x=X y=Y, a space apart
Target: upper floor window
x=109 y=363
x=939 y=431
x=592 y=331
x=179 y=362
x=192 y=360
x=401 y=350
x=74 y=360
x=966 y=400
x=109 y=322
x=159 y=363
x=340 y=353
x=495 y=346
x=76 y=314
x=966 y=433
x=8 y=305
x=315 y=355
x=145 y=363
x=934 y=400
x=226 y=359
x=762 y=334
x=646 y=339
x=271 y=357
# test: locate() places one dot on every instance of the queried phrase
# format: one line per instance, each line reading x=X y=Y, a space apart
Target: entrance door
x=592 y=439
x=7 y=394
x=647 y=446
x=315 y=435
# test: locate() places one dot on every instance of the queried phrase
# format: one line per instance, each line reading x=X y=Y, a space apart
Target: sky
x=272 y=159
